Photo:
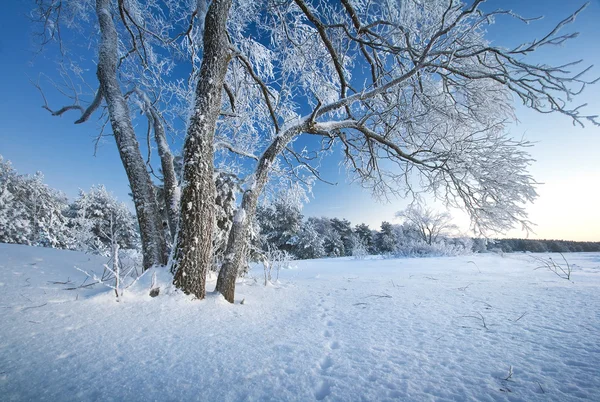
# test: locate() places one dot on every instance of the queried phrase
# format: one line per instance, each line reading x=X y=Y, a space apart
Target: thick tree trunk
x=194 y=249
x=154 y=247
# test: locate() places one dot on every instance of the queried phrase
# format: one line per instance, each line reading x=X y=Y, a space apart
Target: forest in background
x=32 y=213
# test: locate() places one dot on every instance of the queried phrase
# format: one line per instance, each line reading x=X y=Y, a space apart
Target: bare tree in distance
x=430 y=225
x=414 y=95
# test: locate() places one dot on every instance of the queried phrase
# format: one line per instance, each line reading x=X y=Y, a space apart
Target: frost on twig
x=275 y=259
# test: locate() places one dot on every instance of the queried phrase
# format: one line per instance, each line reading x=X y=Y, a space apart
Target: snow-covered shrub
x=275 y=259
x=441 y=248
x=120 y=272
x=359 y=249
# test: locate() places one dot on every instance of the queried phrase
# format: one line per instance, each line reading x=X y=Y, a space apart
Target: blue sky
x=568 y=158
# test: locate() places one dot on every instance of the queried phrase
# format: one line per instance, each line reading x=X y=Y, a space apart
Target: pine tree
x=366 y=237
x=30 y=211
x=310 y=243
x=344 y=229
x=386 y=240
x=280 y=223
x=15 y=226
x=98 y=218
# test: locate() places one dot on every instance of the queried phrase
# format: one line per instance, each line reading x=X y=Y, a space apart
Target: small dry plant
x=562 y=270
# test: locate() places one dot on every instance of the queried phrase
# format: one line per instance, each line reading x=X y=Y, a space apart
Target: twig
x=464 y=288
x=488 y=306
x=27 y=308
x=551 y=265
x=481 y=318
x=522 y=315
x=26 y=298
x=82 y=286
x=60 y=283
x=473 y=262
x=510 y=373
x=429 y=277
x=543 y=392
x=360 y=304
x=386 y=296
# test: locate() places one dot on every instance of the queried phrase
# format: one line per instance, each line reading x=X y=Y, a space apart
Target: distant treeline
x=543 y=246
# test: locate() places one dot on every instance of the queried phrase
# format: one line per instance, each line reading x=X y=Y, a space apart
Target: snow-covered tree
x=30 y=211
x=45 y=208
x=100 y=222
x=405 y=89
x=15 y=225
x=332 y=240
x=280 y=223
x=386 y=239
x=309 y=243
x=365 y=235
x=344 y=229
x=431 y=225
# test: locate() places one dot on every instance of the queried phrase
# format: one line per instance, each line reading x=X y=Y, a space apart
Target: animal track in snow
x=323 y=390
x=326 y=363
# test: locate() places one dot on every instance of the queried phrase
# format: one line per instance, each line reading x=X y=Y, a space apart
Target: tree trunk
x=154 y=247
x=194 y=250
x=235 y=255
x=170 y=183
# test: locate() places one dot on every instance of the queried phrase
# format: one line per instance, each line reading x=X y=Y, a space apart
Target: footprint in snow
x=334 y=345
x=323 y=390
x=326 y=363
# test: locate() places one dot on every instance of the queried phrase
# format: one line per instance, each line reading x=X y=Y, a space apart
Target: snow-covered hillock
x=479 y=327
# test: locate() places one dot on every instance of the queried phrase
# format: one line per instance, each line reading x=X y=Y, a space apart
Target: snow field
x=332 y=329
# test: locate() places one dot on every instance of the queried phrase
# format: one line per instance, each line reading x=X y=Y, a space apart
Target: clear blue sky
x=568 y=158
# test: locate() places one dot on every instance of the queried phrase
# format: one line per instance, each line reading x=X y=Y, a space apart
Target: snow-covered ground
x=337 y=329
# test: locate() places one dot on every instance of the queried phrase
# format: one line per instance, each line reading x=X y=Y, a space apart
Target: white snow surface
x=332 y=329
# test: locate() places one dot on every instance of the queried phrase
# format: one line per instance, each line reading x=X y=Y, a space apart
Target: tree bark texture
x=193 y=254
x=154 y=246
